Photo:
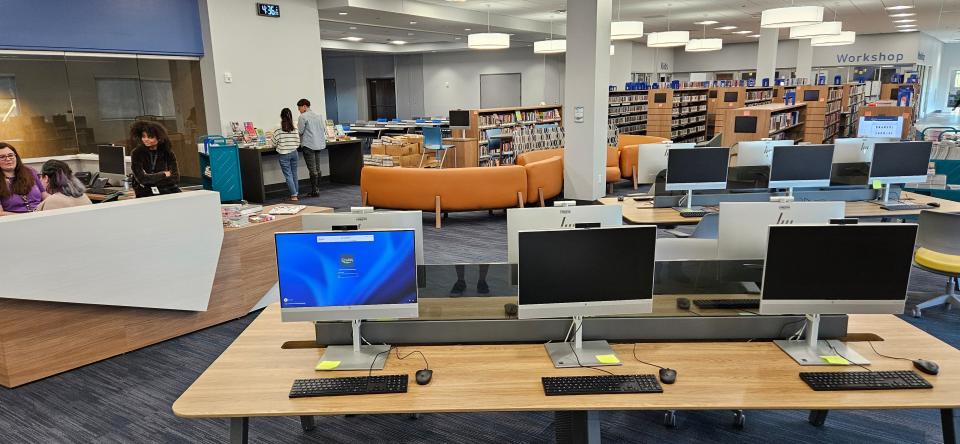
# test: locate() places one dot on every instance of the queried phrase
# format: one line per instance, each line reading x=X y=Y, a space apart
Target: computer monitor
x=368 y=221
x=696 y=169
x=899 y=163
x=652 y=159
x=459 y=118
x=577 y=273
x=835 y=269
x=801 y=166
x=112 y=162
x=556 y=218
x=880 y=126
x=348 y=276
x=743 y=225
x=856 y=149
x=715 y=141
x=758 y=152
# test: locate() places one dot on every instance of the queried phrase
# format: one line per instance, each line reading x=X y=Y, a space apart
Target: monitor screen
x=811 y=95
x=801 y=165
x=814 y=268
x=880 y=126
x=697 y=169
x=660 y=98
x=745 y=124
x=900 y=162
x=377 y=220
x=111 y=159
x=459 y=119
x=341 y=269
x=730 y=96
x=586 y=266
x=712 y=94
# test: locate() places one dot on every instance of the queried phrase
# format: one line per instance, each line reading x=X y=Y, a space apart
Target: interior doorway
x=381 y=99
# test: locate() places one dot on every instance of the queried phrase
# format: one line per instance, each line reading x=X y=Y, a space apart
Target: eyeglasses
x=8 y=156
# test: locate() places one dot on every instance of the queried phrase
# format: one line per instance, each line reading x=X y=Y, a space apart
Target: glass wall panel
x=35 y=112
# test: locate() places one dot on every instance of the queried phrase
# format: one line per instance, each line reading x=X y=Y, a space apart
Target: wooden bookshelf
x=854 y=97
x=677 y=114
x=775 y=121
x=627 y=110
x=722 y=99
x=823 y=111
x=507 y=120
x=889 y=91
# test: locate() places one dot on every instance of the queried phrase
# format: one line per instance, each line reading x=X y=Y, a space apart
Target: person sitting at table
x=65 y=189
x=21 y=190
x=153 y=163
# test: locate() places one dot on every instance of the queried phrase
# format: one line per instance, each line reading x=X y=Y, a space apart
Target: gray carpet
x=127 y=399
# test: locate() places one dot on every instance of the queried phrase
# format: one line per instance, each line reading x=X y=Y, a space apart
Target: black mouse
x=928 y=367
x=933 y=204
x=423 y=376
x=683 y=303
x=620 y=199
x=668 y=375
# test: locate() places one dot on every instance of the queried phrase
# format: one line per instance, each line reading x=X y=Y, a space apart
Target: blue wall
x=169 y=27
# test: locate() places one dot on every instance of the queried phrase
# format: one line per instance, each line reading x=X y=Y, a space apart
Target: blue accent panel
x=170 y=27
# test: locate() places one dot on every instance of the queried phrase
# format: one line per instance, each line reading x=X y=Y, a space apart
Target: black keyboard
x=103 y=191
x=598 y=385
x=904 y=207
x=693 y=213
x=835 y=381
x=353 y=385
x=727 y=303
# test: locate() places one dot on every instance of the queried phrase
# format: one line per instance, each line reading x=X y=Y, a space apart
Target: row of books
x=518 y=117
x=626 y=98
x=636 y=118
x=532 y=139
x=764 y=94
x=627 y=109
x=686 y=98
x=780 y=121
x=684 y=132
x=946 y=150
x=832 y=107
x=689 y=109
x=834 y=93
x=689 y=120
x=634 y=129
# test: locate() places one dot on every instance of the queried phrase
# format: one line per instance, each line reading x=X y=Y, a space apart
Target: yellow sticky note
x=607 y=359
x=835 y=360
x=327 y=365
x=877 y=185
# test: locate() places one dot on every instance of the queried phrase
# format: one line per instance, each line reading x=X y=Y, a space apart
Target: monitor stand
x=689 y=208
x=784 y=199
x=356 y=356
x=580 y=353
x=809 y=351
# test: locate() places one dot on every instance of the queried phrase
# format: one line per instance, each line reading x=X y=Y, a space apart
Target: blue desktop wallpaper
x=320 y=270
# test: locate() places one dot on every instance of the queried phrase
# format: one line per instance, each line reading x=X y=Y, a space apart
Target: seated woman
x=65 y=189
x=20 y=190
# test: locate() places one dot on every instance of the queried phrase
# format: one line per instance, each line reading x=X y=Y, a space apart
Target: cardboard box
x=402 y=149
x=378 y=148
x=410 y=161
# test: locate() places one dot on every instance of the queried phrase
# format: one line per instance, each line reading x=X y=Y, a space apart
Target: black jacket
x=148 y=167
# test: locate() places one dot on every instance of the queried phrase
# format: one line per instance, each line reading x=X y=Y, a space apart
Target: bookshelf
x=508 y=120
x=775 y=120
x=677 y=114
x=722 y=99
x=823 y=102
x=854 y=97
x=627 y=111
x=889 y=91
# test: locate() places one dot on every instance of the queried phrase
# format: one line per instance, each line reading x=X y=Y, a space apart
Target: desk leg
x=950 y=420
x=577 y=427
x=239 y=430
x=818 y=417
x=308 y=423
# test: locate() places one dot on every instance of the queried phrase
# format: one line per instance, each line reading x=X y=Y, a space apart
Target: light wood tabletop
x=253 y=376
x=644 y=213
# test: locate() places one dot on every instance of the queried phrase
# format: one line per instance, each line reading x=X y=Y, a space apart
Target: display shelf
x=510 y=120
x=824 y=103
x=722 y=99
x=776 y=121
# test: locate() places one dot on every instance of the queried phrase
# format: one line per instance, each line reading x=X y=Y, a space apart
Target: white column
x=767 y=54
x=621 y=63
x=804 y=59
x=585 y=99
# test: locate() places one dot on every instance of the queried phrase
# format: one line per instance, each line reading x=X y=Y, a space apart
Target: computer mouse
x=933 y=204
x=619 y=198
x=668 y=375
x=683 y=303
x=928 y=367
x=423 y=376
x=510 y=309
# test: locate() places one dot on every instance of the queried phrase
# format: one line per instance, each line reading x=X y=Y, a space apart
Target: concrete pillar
x=586 y=83
x=804 y=59
x=767 y=54
x=621 y=63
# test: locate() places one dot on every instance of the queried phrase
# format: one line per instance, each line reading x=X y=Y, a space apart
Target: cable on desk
x=642 y=362
x=425 y=362
x=845 y=358
x=885 y=356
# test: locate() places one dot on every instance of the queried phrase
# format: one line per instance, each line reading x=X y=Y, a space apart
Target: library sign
x=870 y=58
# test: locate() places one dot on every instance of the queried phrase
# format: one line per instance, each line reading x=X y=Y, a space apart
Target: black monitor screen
x=660 y=98
x=811 y=95
x=712 y=94
x=894 y=94
x=745 y=124
x=730 y=96
x=697 y=165
x=838 y=262
x=801 y=162
x=586 y=265
x=111 y=159
x=900 y=159
x=459 y=118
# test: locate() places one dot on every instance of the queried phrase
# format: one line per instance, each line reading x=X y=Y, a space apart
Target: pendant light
x=550 y=46
x=488 y=40
x=704 y=44
x=625 y=30
x=791 y=16
x=668 y=38
x=844 y=38
x=816 y=30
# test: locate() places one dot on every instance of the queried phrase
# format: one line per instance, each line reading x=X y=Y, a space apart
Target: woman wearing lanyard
x=20 y=190
x=153 y=163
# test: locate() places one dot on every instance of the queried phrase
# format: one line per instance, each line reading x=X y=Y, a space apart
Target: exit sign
x=268 y=10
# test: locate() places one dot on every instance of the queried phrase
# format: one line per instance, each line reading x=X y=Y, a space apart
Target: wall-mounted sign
x=268 y=10
x=867 y=57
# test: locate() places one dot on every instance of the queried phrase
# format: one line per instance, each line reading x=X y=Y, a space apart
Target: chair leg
x=540 y=194
x=422 y=156
x=519 y=199
x=437 y=211
x=635 y=177
x=949 y=298
x=610 y=188
x=443 y=159
x=363 y=200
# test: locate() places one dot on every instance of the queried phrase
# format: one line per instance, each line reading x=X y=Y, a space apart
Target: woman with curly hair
x=153 y=163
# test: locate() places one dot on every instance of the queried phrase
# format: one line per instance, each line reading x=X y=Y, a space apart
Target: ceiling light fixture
x=725 y=28
x=398 y=42
x=791 y=16
x=352 y=39
x=612 y=50
x=550 y=46
x=904 y=21
x=741 y=32
x=756 y=36
x=903 y=14
x=815 y=30
x=706 y=22
x=906 y=26
x=342 y=13
x=906 y=30
x=897 y=8
x=704 y=44
x=667 y=39
x=844 y=38
x=625 y=30
x=353 y=27
x=488 y=40
x=413 y=23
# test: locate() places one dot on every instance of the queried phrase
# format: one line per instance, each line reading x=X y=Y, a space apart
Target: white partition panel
x=158 y=252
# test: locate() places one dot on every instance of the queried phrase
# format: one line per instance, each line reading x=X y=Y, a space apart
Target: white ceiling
x=442 y=22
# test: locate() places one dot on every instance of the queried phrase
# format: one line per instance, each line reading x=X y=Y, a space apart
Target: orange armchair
x=629 y=154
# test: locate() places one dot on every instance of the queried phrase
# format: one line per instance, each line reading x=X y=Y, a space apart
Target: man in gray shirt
x=312 y=141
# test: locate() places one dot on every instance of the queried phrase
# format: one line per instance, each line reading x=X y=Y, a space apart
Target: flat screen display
x=730 y=96
x=839 y=262
x=712 y=94
x=459 y=118
x=268 y=10
x=699 y=165
x=745 y=124
x=801 y=162
x=586 y=265
x=111 y=159
x=811 y=95
x=330 y=269
x=900 y=159
x=660 y=98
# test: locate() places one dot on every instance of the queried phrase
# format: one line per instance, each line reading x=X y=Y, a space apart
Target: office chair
x=433 y=140
x=938 y=251
x=494 y=145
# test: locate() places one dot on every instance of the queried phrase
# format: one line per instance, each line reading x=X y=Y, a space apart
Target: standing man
x=312 y=141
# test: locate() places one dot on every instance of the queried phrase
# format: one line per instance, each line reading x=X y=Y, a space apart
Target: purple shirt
x=15 y=203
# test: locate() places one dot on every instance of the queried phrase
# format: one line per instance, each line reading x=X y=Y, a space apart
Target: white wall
x=652 y=60
x=409 y=83
x=452 y=79
x=949 y=62
x=273 y=61
x=934 y=93
x=343 y=70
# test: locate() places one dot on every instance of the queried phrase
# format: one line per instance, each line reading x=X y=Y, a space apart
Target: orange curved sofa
x=461 y=189
x=612 y=166
x=629 y=154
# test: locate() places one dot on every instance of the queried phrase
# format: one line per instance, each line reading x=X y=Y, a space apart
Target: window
x=956 y=80
x=157 y=97
x=128 y=98
x=8 y=98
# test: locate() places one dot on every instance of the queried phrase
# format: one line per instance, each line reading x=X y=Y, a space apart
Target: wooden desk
x=345 y=159
x=253 y=377
x=644 y=213
x=40 y=339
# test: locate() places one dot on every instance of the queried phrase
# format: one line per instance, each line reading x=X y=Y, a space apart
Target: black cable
x=845 y=358
x=370 y=373
x=638 y=359
x=425 y=362
x=780 y=333
x=885 y=356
